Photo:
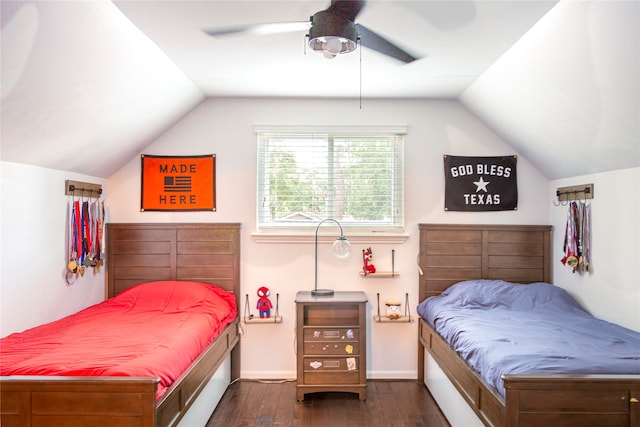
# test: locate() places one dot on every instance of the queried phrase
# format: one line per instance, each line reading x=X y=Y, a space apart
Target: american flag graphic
x=177 y=184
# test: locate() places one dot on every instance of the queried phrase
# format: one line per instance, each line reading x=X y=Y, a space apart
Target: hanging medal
x=93 y=234
x=570 y=239
x=95 y=261
x=72 y=265
x=78 y=236
x=572 y=260
x=100 y=233
x=585 y=231
x=86 y=235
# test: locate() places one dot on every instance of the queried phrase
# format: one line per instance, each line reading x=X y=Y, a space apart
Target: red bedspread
x=152 y=330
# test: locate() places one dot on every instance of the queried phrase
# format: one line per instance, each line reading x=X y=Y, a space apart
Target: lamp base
x=322 y=292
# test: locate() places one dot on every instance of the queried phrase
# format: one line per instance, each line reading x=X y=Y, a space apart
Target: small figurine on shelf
x=393 y=309
x=264 y=303
x=368 y=267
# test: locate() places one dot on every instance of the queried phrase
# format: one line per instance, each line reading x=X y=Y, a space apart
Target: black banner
x=480 y=183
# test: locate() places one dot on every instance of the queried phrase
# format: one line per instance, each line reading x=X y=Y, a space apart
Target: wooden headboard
x=202 y=252
x=450 y=253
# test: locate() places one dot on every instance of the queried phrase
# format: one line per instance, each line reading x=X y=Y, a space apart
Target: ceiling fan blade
x=269 y=28
x=378 y=43
x=346 y=8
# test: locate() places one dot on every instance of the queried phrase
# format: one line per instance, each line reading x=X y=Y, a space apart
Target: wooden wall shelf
x=380 y=274
x=385 y=319
x=272 y=319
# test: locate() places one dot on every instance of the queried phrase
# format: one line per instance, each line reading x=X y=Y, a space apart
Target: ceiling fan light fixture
x=332 y=34
x=333 y=46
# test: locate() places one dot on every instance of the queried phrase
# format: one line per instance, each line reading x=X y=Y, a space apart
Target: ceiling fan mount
x=332 y=31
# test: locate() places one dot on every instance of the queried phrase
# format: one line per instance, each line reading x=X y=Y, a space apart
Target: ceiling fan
x=331 y=31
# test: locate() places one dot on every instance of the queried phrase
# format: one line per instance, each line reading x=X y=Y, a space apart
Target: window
x=354 y=177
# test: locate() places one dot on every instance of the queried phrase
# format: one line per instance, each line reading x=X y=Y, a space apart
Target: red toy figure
x=366 y=258
x=264 y=303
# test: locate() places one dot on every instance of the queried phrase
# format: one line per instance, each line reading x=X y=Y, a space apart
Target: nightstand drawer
x=325 y=378
x=334 y=370
x=331 y=347
x=321 y=334
x=321 y=364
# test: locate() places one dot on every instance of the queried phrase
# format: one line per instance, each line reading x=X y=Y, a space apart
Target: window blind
x=354 y=178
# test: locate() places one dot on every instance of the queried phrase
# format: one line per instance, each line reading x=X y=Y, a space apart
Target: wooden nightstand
x=331 y=337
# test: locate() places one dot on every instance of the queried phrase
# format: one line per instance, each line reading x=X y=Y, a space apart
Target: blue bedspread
x=503 y=328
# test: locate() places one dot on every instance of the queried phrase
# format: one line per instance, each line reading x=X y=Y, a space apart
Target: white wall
x=611 y=290
x=226 y=127
x=33 y=217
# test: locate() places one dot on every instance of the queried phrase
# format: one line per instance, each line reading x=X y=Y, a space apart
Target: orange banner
x=178 y=183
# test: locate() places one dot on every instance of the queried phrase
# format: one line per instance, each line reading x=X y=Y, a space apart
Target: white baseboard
x=291 y=375
x=268 y=375
x=392 y=375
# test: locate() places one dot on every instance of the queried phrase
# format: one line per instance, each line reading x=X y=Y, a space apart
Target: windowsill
x=354 y=238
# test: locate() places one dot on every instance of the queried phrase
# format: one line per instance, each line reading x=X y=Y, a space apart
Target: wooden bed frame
x=518 y=253
x=138 y=253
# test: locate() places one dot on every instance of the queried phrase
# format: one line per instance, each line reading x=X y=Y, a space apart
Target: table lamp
x=341 y=249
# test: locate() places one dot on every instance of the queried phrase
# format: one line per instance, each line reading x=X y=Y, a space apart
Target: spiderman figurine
x=264 y=303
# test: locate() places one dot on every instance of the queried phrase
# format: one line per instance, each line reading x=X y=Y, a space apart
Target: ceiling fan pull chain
x=358 y=40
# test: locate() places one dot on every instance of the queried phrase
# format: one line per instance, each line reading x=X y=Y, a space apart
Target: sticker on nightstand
x=348 y=348
x=316 y=334
x=315 y=364
x=350 y=334
x=351 y=363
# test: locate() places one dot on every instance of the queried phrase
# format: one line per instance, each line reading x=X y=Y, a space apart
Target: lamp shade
x=342 y=247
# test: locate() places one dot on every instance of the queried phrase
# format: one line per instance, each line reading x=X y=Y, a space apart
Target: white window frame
x=385 y=232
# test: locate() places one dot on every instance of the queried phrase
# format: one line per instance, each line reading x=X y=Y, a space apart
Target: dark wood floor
x=389 y=403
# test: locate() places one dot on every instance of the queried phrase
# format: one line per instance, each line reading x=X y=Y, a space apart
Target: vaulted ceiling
x=86 y=80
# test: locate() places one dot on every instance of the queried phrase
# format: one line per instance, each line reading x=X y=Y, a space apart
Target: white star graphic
x=482 y=185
